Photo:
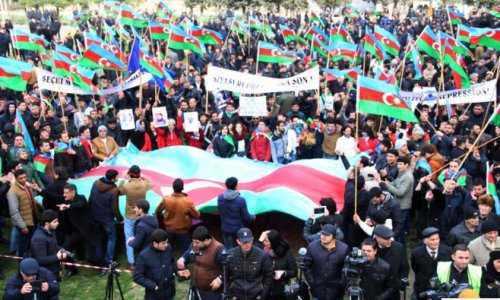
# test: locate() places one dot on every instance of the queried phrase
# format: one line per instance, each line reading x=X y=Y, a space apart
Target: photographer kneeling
x=377 y=280
x=44 y=246
x=32 y=282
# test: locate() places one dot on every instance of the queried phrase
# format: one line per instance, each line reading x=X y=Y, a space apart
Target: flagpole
x=227 y=38
x=257 y=60
x=402 y=72
x=187 y=52
x=140 y=93
x=356 y=145
x=449 y=20
x=206 y=102
x=241 y=43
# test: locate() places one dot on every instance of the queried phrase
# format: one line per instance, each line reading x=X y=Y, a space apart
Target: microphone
x=302 y=251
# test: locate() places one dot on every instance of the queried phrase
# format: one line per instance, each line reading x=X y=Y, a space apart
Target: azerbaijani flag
x=271 y=53
x=20 y=127
x=158 y=31
x=495 y=117
x=315 y=17
x=340 y=33
x=455 y=16
x=70 y=54
x=41 y=161
x=83 y=77
x=91 y=38
x=267 y=30
x=23 y=40
x=414 y=55
x=206 y=36
x=111 y=7
x=320 y=47
x=80 y=18
x=179 y=40
x=387 y=40
x=11 y=78
x=163 y=9
x=373 y=46
x=489 y=37
x=340 y=50
x=380 y=98
x=254 y=23
x=454 y=44
x=429 y=43
x=495 y=12
x=239 y=27
x=99 y=58
x=316 y=31
x=464 y=33
x=128 y=16
x=289 y=35
x=456 y=64
x=351 y=13
x=150 y=65
x=491 y=188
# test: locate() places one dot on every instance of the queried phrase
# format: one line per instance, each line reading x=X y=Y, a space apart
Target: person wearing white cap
x=104 y=147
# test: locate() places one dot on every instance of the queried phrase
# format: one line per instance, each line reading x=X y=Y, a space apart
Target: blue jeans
x=21 y=241
x=328 y=156
x=110 y=229
x=128 y=229
x=229 y=239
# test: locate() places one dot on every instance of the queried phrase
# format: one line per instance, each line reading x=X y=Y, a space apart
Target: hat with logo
x=245 y=235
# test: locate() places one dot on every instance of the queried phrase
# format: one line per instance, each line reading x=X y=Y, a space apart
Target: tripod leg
x=119 y=286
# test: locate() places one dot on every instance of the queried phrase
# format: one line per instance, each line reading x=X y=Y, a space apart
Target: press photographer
x=205 y=257
x=45 y=249
x=377 y=280
x=32 y=282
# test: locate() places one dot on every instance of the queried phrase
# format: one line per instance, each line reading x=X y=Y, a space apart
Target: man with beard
x=205 y=257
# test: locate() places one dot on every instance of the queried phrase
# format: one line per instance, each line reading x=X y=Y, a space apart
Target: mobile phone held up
x=319 y=210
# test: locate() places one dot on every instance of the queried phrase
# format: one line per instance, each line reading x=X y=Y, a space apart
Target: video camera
x=226 y=257
x=443 y=290
x=354 y=264
x=69 y=255
x=36 y=286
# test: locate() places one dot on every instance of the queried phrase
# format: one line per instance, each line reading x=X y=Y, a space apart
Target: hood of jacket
x=149 y=220
x=104 y=185
x=231 y=194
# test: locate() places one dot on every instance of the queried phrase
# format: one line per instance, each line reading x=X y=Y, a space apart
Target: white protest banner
x=477 y=93
x=191 y=123
x=51 y=82
x=227 y=80
x=253 y=106
x=133 y=81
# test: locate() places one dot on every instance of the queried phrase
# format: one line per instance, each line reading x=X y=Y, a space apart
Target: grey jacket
x=401 y=188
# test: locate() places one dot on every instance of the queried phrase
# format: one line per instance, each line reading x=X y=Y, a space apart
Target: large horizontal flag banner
x=133 y=81
x=477 y=93
x=223 y=79
x=51 y=82
x=266 y=187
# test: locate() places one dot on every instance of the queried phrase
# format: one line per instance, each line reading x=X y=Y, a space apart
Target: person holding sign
x=170 y=135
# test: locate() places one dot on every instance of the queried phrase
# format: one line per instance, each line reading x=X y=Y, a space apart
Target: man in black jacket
x=424 y=258
x=326 y=260
x=377 y=280
x=44 y=245
x=83 y=227
x=155 y=267
x=144 y=226
x=387 y=203
x=250 y=271
x=394 y=253
x=103 y=202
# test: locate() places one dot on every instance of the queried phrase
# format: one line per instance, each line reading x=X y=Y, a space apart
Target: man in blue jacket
x=233 y=212
x=155 y=267
x=32 y=282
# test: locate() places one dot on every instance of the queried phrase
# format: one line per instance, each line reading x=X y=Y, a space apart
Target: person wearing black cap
x=248 y=282
x=31 y=280
x=178 y=211
x=134 y=187
x=481 y=247
x=491 y=276
x=326 y=260
x=394 y=253
x=424 y=258
x=466 y=230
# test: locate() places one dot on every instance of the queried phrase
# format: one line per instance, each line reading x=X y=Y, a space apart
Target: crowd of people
x=428 y=177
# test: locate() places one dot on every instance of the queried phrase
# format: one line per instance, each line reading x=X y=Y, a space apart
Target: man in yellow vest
x=459 y=270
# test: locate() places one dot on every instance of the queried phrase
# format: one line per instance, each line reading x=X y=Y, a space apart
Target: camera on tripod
x=354 y=264
x=443 y=290
x=226 y=257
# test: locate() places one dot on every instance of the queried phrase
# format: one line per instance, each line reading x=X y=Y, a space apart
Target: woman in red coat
x=367 y=142
x=170 y=135
x=260 y=145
